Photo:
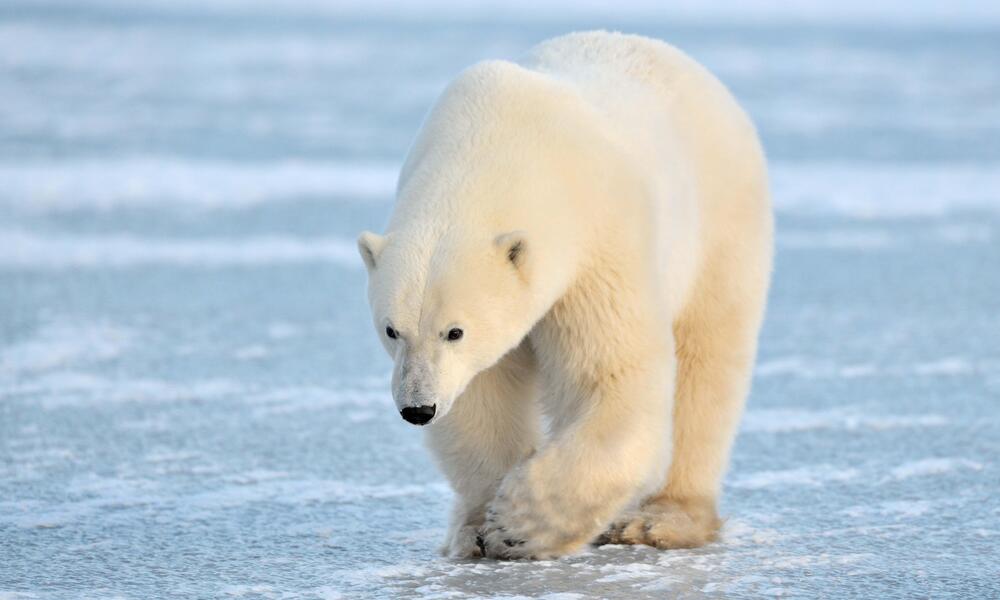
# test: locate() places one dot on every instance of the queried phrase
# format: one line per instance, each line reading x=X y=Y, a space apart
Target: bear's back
x=614 y=57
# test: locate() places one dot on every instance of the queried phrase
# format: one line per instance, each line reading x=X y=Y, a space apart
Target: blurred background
x=192 y=399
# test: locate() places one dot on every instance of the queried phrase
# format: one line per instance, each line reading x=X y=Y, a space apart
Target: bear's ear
x=370 y=246
x=514 y=246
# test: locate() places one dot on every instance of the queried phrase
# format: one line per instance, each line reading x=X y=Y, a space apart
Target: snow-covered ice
x=192 y=401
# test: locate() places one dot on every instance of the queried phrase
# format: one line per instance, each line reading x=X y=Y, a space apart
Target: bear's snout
x=418 y=415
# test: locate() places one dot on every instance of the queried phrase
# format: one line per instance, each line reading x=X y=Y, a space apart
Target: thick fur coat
x=571 y=287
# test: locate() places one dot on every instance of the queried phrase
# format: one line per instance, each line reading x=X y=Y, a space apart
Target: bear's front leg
x=610 y=449
x=492 y=426
x=463 y=533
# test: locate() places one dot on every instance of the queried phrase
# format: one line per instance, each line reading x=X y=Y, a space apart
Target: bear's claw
x=494 y=544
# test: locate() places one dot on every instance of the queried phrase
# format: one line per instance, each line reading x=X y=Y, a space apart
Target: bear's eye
x=389 y=331
x=455 y=334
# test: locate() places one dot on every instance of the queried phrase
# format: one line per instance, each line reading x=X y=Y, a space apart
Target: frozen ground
x=192 y=402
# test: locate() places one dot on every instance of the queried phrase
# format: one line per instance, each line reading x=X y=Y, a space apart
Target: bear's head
x=446 y=305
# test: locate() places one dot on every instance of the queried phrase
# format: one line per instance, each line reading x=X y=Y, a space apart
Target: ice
x=784 y=420
x=814 y=476
x=193 y=403
x=934 y=466
x=851 y=12
x=62 y=344
x=878 y=191
x=173 y=184
x=947 y=366
x=31 y=251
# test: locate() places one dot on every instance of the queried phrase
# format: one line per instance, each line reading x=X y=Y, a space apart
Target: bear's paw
x=666 y=524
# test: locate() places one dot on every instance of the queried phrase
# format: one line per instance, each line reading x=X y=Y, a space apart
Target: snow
x=193 y=402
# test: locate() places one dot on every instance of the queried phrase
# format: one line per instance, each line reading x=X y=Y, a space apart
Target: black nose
x=418 y=415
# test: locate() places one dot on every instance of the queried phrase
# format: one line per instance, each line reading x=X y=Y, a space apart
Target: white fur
x=632 y=189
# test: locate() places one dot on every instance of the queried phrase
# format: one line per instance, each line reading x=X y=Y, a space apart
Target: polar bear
x=571 y=286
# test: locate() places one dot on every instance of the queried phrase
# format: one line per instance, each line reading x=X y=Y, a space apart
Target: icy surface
x=192 y=401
